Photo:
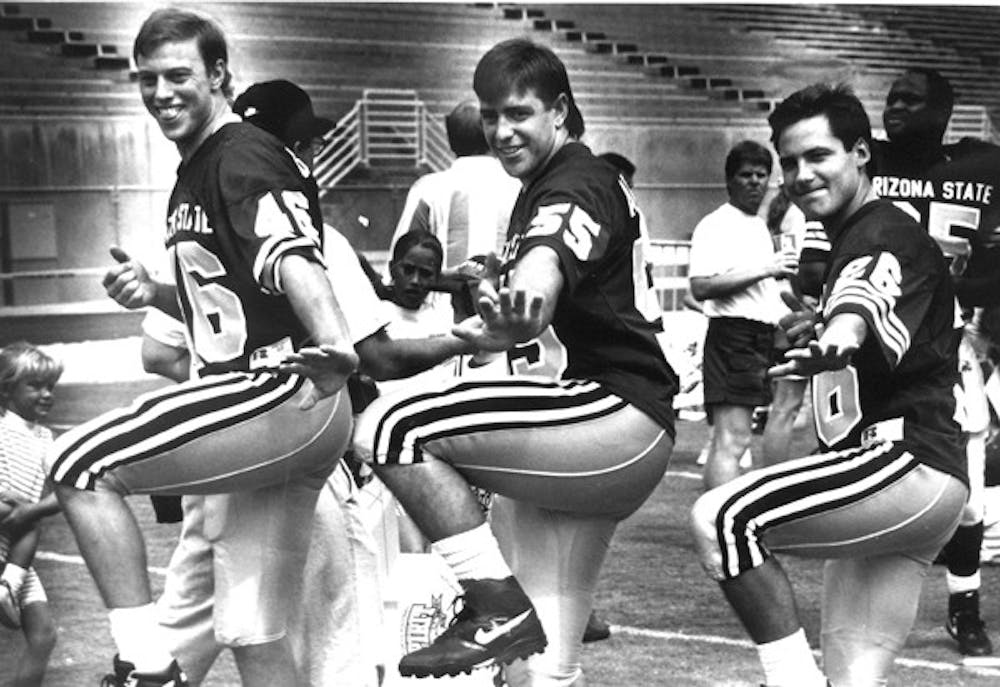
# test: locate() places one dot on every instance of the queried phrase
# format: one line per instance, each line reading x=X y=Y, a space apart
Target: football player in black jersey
x=952 y=191
x=576 y=455
x=890 y=490
x=267 y=333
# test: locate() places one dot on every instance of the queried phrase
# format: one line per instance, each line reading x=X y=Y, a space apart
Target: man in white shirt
x=467 y=206
x=732 y=273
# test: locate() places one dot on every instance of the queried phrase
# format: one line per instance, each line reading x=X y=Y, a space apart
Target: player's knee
x=702 y=523
x=40 y=635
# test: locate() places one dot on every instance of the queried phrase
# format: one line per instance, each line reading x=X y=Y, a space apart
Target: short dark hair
x=172 y=25
x=940 y=94
x=619 y=162
x=845 y=113
x=417 y=237
x=747 y=152
x=518 y=64
x=465 y=130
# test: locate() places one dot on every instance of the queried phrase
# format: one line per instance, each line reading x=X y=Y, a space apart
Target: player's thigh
x=594 y=466
x=913 y=515
x=261 y=543
x=218 y=434
x=859 y=502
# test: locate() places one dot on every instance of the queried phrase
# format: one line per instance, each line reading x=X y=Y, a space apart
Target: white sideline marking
x=745 y=644
x=656 y=634
x=77 y=560
x=667 y=635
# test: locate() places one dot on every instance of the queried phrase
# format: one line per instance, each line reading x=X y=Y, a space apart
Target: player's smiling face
x=825 y=179
x=523 y=132
x=181 y=92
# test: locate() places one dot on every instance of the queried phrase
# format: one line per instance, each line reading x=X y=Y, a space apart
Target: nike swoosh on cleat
x=484 y=637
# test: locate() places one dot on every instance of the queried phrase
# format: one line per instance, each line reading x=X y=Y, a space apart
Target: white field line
x=986 y=671
x=666 y=635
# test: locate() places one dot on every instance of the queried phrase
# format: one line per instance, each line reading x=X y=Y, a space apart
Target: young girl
x=27 y=379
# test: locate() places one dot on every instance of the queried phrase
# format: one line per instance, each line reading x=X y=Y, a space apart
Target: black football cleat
x=596 y=629
x=125 y=675
x=966 y=627
x=497 y=625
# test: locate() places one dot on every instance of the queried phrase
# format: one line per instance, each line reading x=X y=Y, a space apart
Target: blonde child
x=27 y=379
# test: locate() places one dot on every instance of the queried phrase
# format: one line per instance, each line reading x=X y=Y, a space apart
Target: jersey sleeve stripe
x=879 y=307
x=269 y=256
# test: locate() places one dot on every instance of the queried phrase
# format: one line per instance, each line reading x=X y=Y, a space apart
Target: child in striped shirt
x=27 y=379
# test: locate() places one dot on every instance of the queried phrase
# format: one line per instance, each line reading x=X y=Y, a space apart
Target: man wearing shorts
x=732 y=273
x=890 y=491
x=243 y=240
x=581 y=452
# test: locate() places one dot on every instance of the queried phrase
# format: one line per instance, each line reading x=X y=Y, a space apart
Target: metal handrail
x=385 y=124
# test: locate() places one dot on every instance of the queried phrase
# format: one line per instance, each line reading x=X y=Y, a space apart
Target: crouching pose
x=890 y=491
x=579 y=453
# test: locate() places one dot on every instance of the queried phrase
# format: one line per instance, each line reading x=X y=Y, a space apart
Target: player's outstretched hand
x=128 y=282
x=817 y=356
x=326 y=366
x=505 y=318
x=800 y=324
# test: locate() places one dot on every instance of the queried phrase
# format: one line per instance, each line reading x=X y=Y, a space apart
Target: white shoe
x=703 y=456
x=10 y=609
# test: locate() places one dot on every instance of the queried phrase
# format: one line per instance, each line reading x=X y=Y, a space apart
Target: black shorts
x=737 y=355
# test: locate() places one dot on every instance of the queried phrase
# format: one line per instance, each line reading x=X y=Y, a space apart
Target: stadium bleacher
x=671 y=86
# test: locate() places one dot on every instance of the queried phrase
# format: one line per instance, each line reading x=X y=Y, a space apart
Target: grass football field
x=670 y=624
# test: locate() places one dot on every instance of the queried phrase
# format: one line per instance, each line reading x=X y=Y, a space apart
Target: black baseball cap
x=283 y=109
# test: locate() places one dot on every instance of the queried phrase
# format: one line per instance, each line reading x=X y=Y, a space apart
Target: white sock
x=960 y=585
x=789 y=662
x=473 y=554
x=139 y=637
x=14 y=576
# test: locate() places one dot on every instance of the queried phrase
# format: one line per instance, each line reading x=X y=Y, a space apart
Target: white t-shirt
x=467 y=207
x=434 y=317
x=728 y=239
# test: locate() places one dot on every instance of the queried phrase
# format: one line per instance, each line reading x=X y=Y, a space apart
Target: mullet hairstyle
x=847 y=117
x=517 y=65
x=175 y=25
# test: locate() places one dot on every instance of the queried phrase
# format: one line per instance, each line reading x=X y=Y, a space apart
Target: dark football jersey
x=888 y=271
x=953 y=195
x=608 y=317
x=240 y=203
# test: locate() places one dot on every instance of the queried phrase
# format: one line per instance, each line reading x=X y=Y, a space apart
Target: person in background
x=28 y=377
x=733 y=267
x=787 y=225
